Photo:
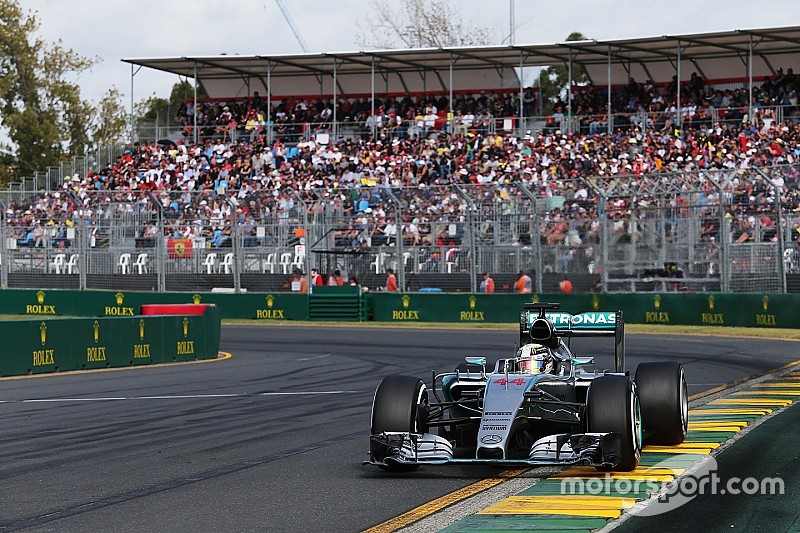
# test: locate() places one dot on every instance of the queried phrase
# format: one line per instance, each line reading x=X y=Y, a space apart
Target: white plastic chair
x=72 y=264
x=227 y=263
x=125 y=263
x=297 y=262
x=377 y=264
x=210 y=262
x=141 y=263
x=286 y=262
x=59 y=262
x=269 y=265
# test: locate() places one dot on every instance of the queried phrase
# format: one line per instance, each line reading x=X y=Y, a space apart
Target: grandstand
x=442 y=183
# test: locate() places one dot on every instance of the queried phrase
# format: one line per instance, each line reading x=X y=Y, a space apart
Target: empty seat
x=59 y=262
x=124 y=263
x=72 y=264
x=210 y=262
x=286 y=262
x=141 y=263
x=227 y=263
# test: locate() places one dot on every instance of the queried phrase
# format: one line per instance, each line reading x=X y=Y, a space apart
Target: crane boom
x=294 y=29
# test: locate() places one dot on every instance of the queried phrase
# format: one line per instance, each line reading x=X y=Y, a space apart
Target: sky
x=112 y=30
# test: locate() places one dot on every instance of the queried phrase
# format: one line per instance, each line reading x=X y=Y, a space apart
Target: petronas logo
x=120 y=297
x=96 y=331
x=711 y=303
x=765 y=302
x=185 y=326
x=270 y=301
x=472 y=302
x=40 y=297
x=43 y=332
x=657 y=301
x=196 y=298
x=141 y=329
x=595 y=302
x=406 y=301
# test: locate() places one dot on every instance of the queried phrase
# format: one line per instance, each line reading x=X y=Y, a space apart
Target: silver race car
x=538 y=408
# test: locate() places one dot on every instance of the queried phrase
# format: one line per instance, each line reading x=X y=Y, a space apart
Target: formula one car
x=538 y=408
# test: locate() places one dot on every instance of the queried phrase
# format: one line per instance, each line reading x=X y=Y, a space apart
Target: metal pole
x=131 y=118
x=750 y=80
x=535 y=240
x=609 y=123
x=511 y=36
x=451 y=114
x=778 y=222
x=678 y=68
x=521 y=93
x=473 y=271
x=401 y=262
x=569 y=93
x=269 y=102
x=335 y=125
x=372 y=92
x=6 y=260
x=194 y=103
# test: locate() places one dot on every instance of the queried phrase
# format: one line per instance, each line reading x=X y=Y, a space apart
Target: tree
x=417 y=24
x=554 y=80
x=165 y=111
x=41 y=110
x=111 y=120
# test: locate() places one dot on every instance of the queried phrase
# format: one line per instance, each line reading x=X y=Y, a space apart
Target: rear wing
x=594 y=324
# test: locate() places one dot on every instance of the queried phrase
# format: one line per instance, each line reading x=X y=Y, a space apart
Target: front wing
x=591 y=449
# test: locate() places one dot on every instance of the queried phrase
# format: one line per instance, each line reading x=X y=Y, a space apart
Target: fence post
x=536 y=240
x=4 y=258
x=161 y=266
x=778 y=224
x=401 y=263
x=473 y=247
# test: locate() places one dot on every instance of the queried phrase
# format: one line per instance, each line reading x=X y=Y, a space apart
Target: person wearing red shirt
x=336 y=279
x=391 y=281
x=316 y=278
x=487 y=285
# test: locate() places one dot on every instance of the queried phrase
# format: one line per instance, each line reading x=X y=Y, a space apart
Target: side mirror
x=480 y=361
x=583 y=361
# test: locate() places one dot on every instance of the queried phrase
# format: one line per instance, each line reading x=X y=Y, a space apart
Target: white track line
x=178 y=397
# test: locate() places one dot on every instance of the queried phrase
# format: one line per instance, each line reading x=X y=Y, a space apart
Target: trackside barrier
x=64 y=344
x=713 y=309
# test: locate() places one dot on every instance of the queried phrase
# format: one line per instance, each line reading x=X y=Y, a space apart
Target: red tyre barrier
x=174 y=309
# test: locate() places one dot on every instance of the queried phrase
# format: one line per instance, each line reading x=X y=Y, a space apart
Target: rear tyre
x=612 y=406
x=400 y=404
x=665 y=402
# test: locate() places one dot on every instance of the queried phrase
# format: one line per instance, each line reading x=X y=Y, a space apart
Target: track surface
x=250 y=459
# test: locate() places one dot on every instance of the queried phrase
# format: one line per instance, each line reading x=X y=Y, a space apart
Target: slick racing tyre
x=400 y=404
x=665 y=402
x=612 y=406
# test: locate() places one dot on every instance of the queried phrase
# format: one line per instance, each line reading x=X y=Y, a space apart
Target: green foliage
x=554 y=80
x=40 y=108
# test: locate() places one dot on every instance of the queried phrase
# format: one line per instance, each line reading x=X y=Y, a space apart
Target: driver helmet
x=534 y=358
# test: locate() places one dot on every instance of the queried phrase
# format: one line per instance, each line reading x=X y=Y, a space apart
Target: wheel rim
x=636 y=425
x=684 y=404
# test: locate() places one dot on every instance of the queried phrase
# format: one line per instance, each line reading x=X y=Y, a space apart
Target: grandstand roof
x=720 y=55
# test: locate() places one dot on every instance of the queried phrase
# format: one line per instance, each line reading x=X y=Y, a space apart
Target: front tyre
x=665 y=402
x=612 y=406
x=400 y=405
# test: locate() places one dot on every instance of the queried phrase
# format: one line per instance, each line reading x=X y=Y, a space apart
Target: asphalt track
x=220 y=446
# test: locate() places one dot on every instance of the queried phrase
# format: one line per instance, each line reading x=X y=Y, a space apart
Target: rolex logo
x=96 y=331
x=472 y=302
x=765 y=302
x=535 y=299
x=595 y=302
x=43 y=332
x=657 y=301
x=40 y=297
x=270 y=301
x=406 y=300
x=711 y=303
x=185 y=326
x=196 y=298
x=120 y=297
x=141 y=329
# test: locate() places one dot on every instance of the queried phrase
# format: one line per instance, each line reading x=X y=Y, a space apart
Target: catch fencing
x=704 y=231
